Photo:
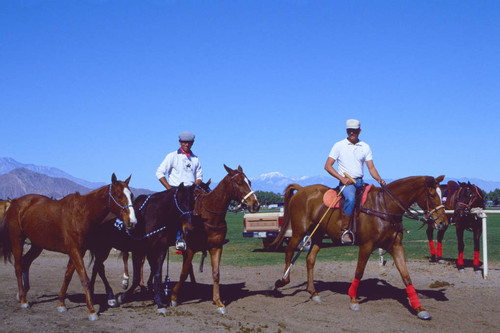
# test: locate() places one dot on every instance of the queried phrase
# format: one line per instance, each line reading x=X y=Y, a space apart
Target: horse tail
x=5 y=244
x=289 y=192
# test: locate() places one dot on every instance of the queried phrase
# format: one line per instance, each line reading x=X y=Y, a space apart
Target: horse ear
x=240 y=169
x=181 y=186
x=228 y=169
x=113 y=178
x=128 y=180
x=209 y=181
x=440 y=179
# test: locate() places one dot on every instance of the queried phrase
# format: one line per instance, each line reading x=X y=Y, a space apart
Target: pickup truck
x=265 y=226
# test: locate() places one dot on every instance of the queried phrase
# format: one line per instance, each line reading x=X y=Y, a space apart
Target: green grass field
x=240 y=251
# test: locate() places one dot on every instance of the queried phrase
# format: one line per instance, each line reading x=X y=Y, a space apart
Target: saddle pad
x=331 y=195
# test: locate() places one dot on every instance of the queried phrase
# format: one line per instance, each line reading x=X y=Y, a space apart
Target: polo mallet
x=332 y=204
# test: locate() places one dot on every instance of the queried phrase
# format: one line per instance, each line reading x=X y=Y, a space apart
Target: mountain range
x=277 y=182
x=17 y=179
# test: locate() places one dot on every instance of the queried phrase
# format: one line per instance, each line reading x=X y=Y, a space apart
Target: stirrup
x=180 y=244
x=342 y=237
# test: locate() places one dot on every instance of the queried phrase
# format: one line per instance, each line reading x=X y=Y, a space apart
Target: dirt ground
x=458 y=302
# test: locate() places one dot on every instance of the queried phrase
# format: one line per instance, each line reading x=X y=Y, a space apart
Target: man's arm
x=163 y=180
x=331 y=170
x=374 y=172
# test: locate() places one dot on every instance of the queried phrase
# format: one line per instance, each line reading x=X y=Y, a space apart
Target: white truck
x=265 y=226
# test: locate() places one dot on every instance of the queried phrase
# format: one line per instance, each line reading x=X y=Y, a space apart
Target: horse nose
x=255 y=207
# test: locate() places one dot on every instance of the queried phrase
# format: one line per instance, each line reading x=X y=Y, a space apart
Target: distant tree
x=493 y=196
x=268 y=198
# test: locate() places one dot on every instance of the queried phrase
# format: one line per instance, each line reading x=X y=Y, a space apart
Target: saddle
x=361 y=195
x=331 y=195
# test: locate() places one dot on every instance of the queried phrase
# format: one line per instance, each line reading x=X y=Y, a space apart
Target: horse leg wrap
x=353 y=289
x=440 y=250
x=476 y=258
x=460 y=260
x=412 y=294
x=432 y=248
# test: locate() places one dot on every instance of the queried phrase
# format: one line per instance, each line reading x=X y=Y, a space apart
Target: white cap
x=353 y=123
x=186 y=136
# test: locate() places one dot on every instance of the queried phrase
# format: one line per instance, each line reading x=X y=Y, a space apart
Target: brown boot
x=347 y=236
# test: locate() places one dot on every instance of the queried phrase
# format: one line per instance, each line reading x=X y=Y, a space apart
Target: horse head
x=184 y=198
x=469 y=196
x=431 y=201
x=120 y=201
x=242 y=190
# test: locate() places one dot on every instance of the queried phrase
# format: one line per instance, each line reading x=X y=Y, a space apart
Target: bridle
x=116 y=202
x=408 y=212
x=235 y=193
x=467 y=206
x=242 y=202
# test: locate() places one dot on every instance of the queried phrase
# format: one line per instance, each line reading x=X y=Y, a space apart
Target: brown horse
x=463 y=198
x=61 y=226
x=379 y=225
x=210 y=226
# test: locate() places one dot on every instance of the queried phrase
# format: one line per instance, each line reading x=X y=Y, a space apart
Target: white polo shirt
x=179 y=168
x=351 y=157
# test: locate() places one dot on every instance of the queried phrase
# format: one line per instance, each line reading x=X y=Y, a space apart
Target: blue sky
x=94 y=87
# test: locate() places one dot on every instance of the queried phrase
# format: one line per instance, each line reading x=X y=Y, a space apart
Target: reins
x=119 y=223
x=408 y=212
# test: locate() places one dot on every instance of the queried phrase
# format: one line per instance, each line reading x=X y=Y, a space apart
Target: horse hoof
x=173 y=304
x=125 y=284
x=441 y=261
x=478 y=272
x=93 y=316
x=355 y=306
x=17 y=297
x=162 y=310
x=61 y=309
x=317 y=299
x=25 y=305
x=120 y=299
x=112 y=303
x=424 y=315
x=461 y=270
x=221 y=310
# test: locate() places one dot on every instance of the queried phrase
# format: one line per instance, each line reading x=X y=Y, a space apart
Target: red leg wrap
x=476 y=258
x=353 y=289
x=460 y=260
x=440 y=250
x=412 y=294
x=433 y=249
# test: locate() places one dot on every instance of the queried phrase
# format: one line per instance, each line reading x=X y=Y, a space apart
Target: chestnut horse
x=379 y=225
x=463 y=198
x=210 y=226
x=61 y=226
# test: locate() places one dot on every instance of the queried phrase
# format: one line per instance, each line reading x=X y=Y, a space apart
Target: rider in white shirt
x=181 y=166
x=351 y=154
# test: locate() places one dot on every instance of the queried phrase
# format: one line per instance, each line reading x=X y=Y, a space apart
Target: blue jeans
x=349 y=194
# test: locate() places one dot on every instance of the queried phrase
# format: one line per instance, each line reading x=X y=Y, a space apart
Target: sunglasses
x=352 y=130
